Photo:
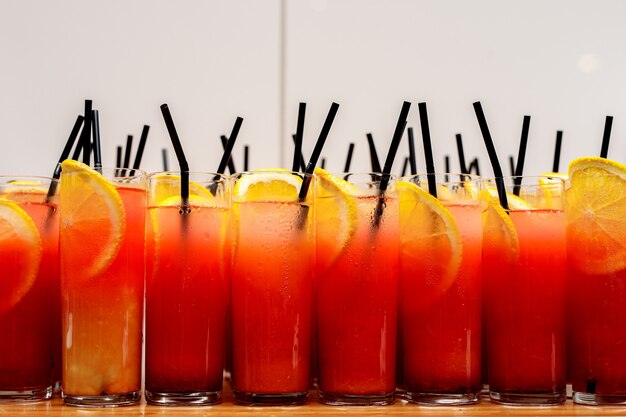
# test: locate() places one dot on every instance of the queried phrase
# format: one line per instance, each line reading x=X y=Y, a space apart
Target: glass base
x=528 y=398
x=352 y=399
x=400 y=393
x=251 y=398
x=598 y=399
x=27 y=395
x=184 y=398
x=429 y=398
x=110 y=400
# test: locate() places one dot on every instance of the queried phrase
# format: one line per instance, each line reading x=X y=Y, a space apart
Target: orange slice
x=93 y=220
x=336 y=216
x=596 y=215
x=430 y=241
x=20 y=254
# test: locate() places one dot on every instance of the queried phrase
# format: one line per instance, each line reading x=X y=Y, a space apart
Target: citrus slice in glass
x=515 y=203
x=267 y=186
x=169 y=228
x=336 y=216
x=499 y=233
x=20 y=254
x=93 y=220
x=165 y=186
x=430 y=242
x=596 y=215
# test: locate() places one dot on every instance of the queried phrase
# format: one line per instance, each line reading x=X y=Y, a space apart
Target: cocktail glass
x=440 y=289
x=524 y=263
x=187 y=271
x=102 y=239
x=596 y=240
x=272 y=287
x=29 y=300
x=357 y=296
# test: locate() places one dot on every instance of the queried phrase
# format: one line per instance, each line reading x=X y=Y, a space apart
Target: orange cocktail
x=440 y=290
x=187 y=271
x=102 y=285
x=524 y=304
x=357 y=273
x=29 y=244
x=272 y=288
x=596 y=240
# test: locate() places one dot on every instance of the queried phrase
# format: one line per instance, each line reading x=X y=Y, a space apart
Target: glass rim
x=42 y=177
x=457 y=175
x=265 y=171
x=221 y=177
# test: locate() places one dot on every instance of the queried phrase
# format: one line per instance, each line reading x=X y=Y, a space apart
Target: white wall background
x=562 y=62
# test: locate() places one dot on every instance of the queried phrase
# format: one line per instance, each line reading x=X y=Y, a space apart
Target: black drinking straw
x=391 y=156
x=493 y=156
x=180 y=155
x=97 y=150
x=85 y=139
x=118 y=160
x=557 y=151
x=246 y=151
x=229 y=147
x=606 y=137
x=512 y=165
x=298 y=161
x=64 y=154
x=346 y=167
x=166 y=164
x=298 y=138
x=231 y=163
x=521 y=156
x=405 y=166
x=446 y=162
x=428 y=150
x=473 y=166
x=141 y=147
x=323 y=163
x=373 y=154
x=412 y=156
x=461 y=152
x=127 y=152
x=317 y=150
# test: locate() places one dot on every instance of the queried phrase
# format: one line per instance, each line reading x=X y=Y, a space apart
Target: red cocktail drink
x=525 y=299
x=440 y=291
x=356 y=291
x=186 y=290
x=29 y=246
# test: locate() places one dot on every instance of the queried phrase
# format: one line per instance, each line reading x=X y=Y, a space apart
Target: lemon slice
x=20 y=254
x=596 y=215
x=430 y=241
x=515 y=203
x=93 y=220
x=336 y=216
x=267 y=186
x=165 y=186
x=499 y=233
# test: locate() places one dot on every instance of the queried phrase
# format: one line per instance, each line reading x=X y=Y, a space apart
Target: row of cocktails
x=428 y=285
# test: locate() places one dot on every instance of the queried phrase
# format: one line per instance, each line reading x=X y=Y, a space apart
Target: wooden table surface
x=56 y=408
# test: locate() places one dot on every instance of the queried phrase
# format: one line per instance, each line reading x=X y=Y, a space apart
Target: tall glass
x=188 y=263
x=595 y=210
x=524 y=273
x=440 y=290
x=102 y=288
x=29 y=299
x=357 y=290
x=272 y=288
